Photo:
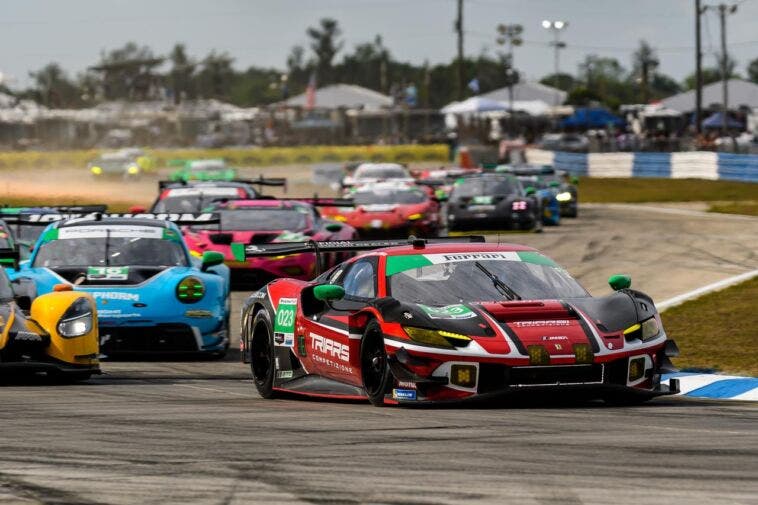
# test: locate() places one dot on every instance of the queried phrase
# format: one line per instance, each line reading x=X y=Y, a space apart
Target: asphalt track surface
x=196 y=431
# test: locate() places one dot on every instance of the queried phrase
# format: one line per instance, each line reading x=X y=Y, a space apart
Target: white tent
x=473 y=105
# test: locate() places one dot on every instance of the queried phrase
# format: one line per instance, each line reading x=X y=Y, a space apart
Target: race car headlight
x=77 y=320
x=563 y=197
x=439 y=338
x=96 y=170
x=190 y=290
x=340 y=218
x=415 y=217
x=646 y=330
x=133 y=170
x=650 y=329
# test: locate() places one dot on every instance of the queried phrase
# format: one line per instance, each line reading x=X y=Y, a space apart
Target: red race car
x=390 y=210
x=264 y=222
x=438 y=321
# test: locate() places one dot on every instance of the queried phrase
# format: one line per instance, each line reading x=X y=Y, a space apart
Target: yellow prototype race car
x=57 y=335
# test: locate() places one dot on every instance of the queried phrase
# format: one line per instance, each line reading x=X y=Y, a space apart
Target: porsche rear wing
x=241 y=251
x=181 y=219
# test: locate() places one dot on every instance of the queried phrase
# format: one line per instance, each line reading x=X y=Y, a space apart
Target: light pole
x=510 y=35
x=556 y=27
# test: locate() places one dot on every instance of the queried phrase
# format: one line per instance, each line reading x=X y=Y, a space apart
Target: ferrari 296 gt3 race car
x=436 y=322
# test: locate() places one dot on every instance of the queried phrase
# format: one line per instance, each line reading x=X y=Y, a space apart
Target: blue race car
x=152 y=295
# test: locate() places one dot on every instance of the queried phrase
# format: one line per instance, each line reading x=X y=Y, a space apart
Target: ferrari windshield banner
x=397 y=264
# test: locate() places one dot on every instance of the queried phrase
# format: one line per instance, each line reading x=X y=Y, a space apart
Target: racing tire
x=262 y=355
x=375 y=369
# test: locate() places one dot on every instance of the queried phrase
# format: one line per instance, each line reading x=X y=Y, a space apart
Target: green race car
x=203 y=170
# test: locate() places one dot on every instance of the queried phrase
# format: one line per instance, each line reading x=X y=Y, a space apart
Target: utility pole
x=723 y=11
x=459 y=30
x=698 y=70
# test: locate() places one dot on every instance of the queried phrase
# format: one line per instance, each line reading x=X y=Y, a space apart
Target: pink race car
x=253 y=222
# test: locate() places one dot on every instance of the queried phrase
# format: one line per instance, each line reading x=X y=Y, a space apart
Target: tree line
x=135 y=72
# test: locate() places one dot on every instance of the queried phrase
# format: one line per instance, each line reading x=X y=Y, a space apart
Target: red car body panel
x=328 y=345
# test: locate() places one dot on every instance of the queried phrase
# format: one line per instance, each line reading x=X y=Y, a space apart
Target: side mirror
x=574 y=180
x=619 y=281
x=530 y=191
x=328 y=292
x=137 y=209
x=333 y=227
x=211 y=259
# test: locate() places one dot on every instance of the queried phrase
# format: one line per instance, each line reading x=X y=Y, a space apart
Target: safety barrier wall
x=696 y=165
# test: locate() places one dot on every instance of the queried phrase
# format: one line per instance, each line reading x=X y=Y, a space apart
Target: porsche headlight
x=77 y=320
x=340 y=218
x=415 y=217
x=133 y=170
x=439 y=338
x=563 y=197
x=96 y=170
x=190 y=290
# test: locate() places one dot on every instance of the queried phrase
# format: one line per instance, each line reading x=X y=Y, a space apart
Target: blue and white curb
x=722 y=387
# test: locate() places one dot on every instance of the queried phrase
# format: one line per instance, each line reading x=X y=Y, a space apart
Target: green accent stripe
x=536 y=258
x=50 y=235
x=397 y=264
x=238 y=251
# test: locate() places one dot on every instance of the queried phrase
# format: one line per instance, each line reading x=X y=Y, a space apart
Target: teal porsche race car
x=152 y=296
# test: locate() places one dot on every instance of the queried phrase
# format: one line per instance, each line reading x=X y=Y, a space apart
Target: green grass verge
x=748 y=208
x=718 y=330
x=639 y=190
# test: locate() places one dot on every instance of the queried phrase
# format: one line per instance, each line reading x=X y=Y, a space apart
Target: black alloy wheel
x=262 y=355
x=375 y=370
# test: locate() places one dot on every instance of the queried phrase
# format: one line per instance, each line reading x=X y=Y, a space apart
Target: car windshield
x=443 y=279
x=403 y=196
x=99 y=246
x=207 y=166
x=486 y=186
x=533 y=181
x=381 y=173
x=264 y=219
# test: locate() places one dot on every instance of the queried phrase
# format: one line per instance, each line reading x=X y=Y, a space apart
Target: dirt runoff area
x=77 y=185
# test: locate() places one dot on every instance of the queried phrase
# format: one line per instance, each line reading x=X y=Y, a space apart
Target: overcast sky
x=261 y=32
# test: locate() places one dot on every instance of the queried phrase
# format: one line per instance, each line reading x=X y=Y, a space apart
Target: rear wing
x=181 y=219
x=259 y=181
x=322 y=202
x=241 y=251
